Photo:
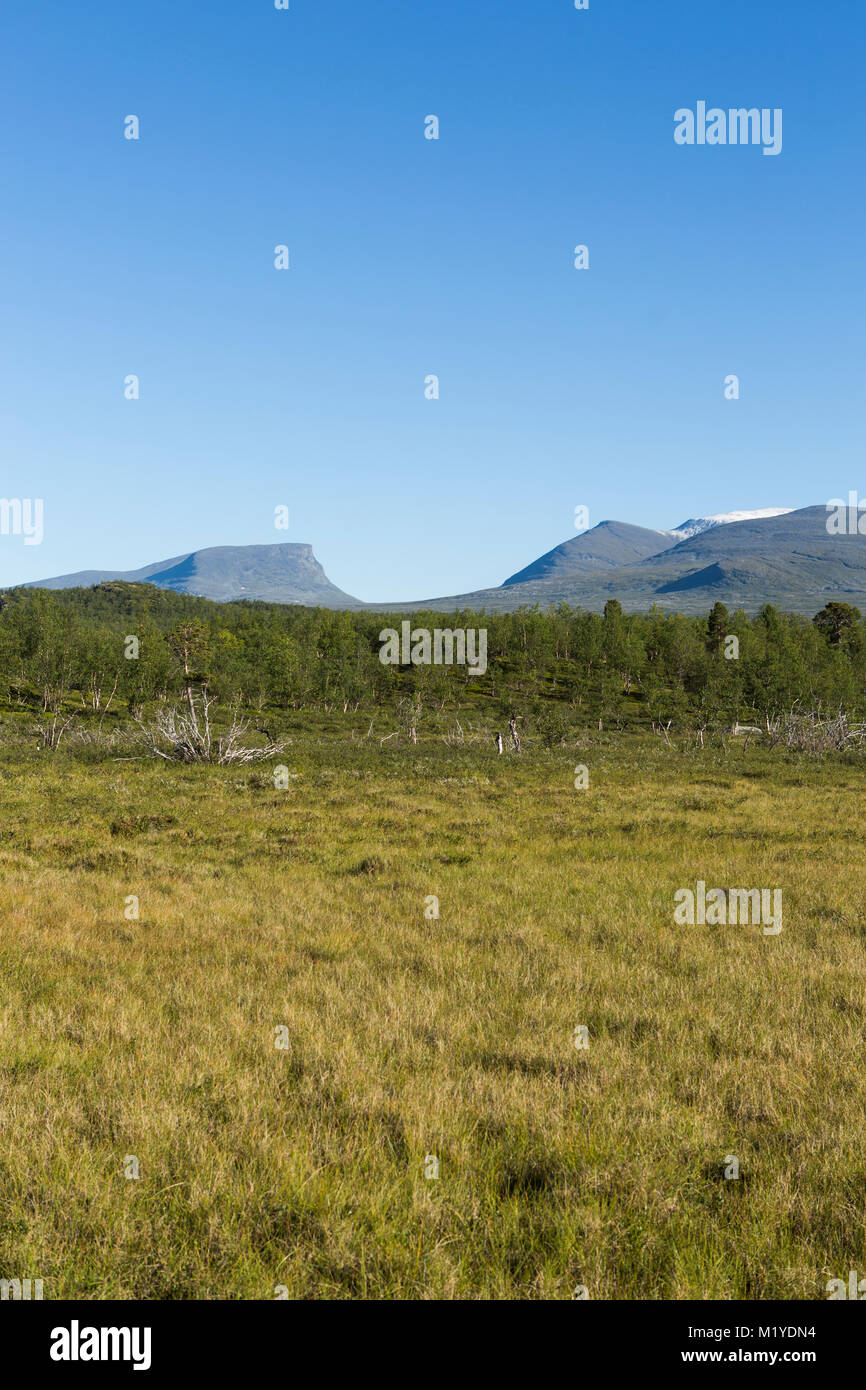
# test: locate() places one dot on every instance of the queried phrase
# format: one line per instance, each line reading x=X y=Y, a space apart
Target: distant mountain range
x=743 y=559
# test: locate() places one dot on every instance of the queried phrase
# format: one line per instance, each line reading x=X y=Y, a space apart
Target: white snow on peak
x=697 y=524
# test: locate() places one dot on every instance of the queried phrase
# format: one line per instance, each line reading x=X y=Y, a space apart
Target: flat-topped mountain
x=282 y=573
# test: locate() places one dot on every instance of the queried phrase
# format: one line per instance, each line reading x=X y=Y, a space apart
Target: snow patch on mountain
x=696 y=525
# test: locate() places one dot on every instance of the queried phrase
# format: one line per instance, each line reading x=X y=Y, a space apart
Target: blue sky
x=410 y=257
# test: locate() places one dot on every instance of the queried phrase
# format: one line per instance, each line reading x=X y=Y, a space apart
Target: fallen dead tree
x=187 y=735
x=815 y=732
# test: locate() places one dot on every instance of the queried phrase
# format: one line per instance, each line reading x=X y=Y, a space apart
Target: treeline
x=123 y=646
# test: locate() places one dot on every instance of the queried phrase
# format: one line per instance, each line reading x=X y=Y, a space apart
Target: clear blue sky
x=412 y=257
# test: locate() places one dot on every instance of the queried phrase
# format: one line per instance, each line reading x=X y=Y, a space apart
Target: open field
x=408 y=1038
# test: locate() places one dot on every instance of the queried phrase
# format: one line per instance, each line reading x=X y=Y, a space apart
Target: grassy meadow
x=302 y=1170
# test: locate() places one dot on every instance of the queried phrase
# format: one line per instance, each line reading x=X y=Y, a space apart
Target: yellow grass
x=408 y=1039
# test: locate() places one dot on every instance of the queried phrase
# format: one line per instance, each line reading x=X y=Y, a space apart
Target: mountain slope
x=606 y=546
x=83 y=579
x=281 y=573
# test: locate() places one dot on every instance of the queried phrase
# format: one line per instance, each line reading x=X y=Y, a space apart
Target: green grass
x=408 y=1037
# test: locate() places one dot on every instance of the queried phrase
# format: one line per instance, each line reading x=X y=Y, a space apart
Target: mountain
x=611 y=544
x=282 y=573
x=606 y=546
x=788 y=559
